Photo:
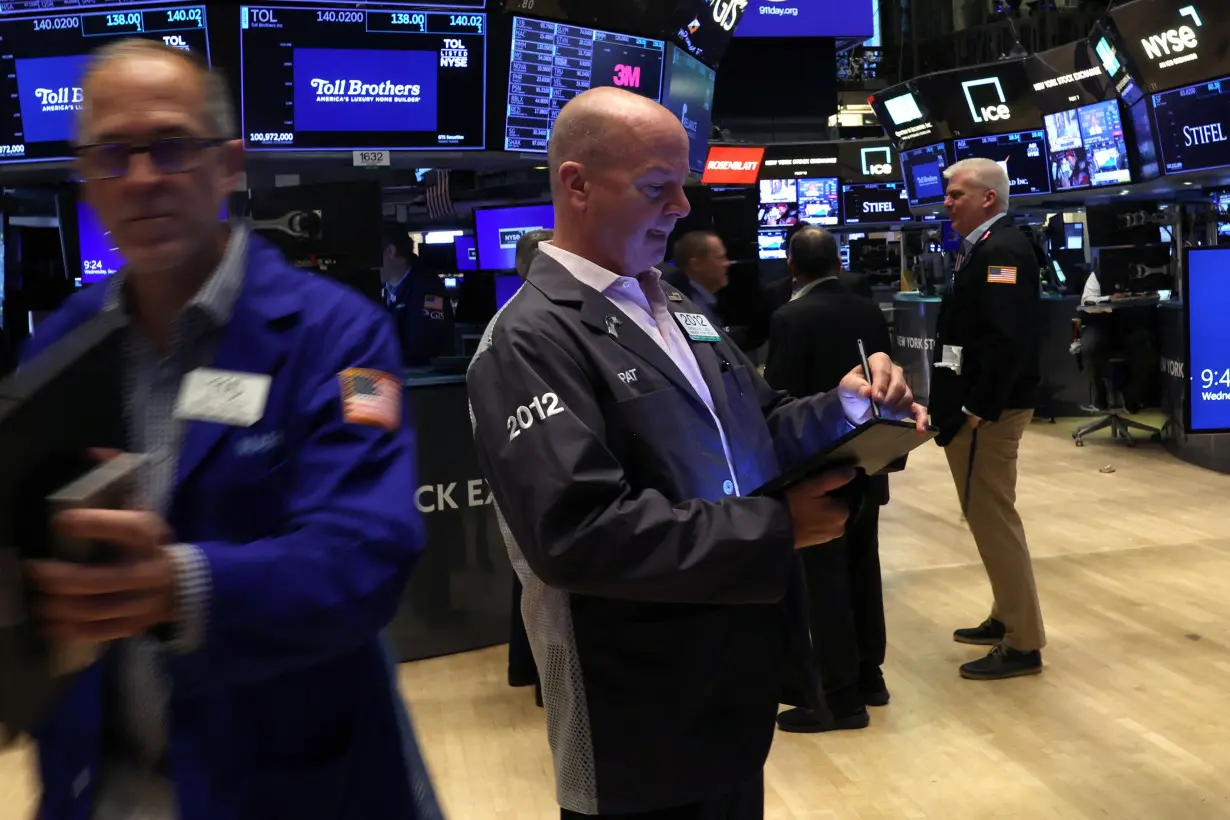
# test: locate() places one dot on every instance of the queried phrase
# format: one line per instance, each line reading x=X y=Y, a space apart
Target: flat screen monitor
x=808 y=18
x=688 y=93
x=506 y=287
x=820 y=201
x=1088 y=147
x=1022 y=155
x=779 y=203
x=553 y=62
x=923 y=171
x=876 y=203
x=1207 y=302
x=44 y=57
x=1193 y=127
x=498 y=230
x=467 y=253
x=772 y=242
x=1173 y=43
x=325 y=78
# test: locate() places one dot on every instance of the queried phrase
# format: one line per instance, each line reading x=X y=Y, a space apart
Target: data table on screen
x=553 y=62
x=45 y=55
x=1193 y=126
x=323 y=78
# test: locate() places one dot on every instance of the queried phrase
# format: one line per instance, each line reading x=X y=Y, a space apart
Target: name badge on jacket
x=223 y=397
x=698 y=327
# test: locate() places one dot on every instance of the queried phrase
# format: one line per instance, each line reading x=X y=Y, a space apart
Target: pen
x=862 y=354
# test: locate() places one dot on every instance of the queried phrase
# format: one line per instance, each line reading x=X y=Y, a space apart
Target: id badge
x=223 y=397
x=950 y=358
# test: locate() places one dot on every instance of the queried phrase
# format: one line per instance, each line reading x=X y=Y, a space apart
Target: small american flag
x=1001 y=276
x=370 y=397
x=439 y=199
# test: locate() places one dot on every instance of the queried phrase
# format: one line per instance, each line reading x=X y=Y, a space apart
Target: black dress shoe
x=1003 y=662
x=803 y=721
x=988 y=633
x=871 y=687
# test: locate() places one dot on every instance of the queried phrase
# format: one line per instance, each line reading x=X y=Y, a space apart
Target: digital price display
x=876 y=203
x=1088 y=147
x=1193 y=127
x=923 y=170
x=1207 y=302
x=1022 y=156
x=342 y=79
x=554 y=62
x=44 y=59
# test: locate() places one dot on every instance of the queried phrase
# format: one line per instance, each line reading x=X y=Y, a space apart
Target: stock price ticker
x=331 y=79
x=45 y=58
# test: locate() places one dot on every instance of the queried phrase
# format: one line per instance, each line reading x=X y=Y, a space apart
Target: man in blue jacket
x=243 y=674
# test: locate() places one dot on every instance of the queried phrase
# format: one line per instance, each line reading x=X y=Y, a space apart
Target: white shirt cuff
x=193 y=583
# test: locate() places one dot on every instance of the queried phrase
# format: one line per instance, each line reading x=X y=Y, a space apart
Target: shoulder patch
x=997 y=275
x=370 y=397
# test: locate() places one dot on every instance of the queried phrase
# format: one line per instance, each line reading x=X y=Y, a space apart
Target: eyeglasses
x=170 y=155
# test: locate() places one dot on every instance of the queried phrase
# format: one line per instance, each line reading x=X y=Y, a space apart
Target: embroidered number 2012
x=542 y=408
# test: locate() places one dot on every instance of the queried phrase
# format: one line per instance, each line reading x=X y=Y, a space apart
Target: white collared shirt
x=810 y=286
x=976 y=234
x=627 y=294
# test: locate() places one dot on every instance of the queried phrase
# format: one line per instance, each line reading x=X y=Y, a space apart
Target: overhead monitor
x=1207 y=303
x=688 y=93
x=779 y=203
x=923 y=170
x=506 y=287
x=997 y=98
x=1022 y=156
x=1068 y=76
x=703 y=28
x=44 y=57
x=1193 y=127
x=1088 y=148
x=467 y=253
x=876 y=203
x=330 y=78
x=498 y=230
x=808 y=18
x=733 y=165
x=553 y=62
x=820 y=201
x=1148 y=165
x=1173 y=43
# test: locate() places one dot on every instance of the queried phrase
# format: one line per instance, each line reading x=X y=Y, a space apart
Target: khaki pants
x=989 y=501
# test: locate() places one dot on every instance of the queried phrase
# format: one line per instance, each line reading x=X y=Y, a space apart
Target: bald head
x=596 y=126
x=618 y=164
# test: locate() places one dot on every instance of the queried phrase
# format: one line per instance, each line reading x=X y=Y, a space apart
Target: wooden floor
x=1130 y=720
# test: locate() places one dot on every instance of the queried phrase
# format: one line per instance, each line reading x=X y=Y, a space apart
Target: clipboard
x=872 y=447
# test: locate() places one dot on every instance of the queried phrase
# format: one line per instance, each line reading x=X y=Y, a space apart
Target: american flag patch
x=1001 y=276
x=434 y=303
x=370 y=397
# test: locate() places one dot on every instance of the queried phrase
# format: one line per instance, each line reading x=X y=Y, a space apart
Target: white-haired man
x=982 y=398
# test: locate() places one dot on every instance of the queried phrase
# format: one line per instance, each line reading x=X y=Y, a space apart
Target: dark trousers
x=521 y=668
x=746 y=802
x=847 y=609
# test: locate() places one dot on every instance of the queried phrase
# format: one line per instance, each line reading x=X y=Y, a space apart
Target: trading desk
x=1064 y=386
x=458 y=598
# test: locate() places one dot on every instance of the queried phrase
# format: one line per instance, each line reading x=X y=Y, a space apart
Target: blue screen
x=355 y=89
x=50 y=89
x=505 y=288
x=467 y=253
x=807 y=18
x=498 y=230
x=923 y=169
x=99 y=256
x=1208 y=304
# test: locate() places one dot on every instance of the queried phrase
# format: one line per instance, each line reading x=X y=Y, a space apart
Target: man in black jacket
x=982 y=398
x=813 y=343
x=416 y=298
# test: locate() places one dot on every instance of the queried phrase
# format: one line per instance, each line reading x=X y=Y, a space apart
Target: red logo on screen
x=732 y=166
x=627 y=76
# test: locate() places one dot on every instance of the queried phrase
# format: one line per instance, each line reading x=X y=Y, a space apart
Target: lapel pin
x=612 y=326
x=674 y=296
